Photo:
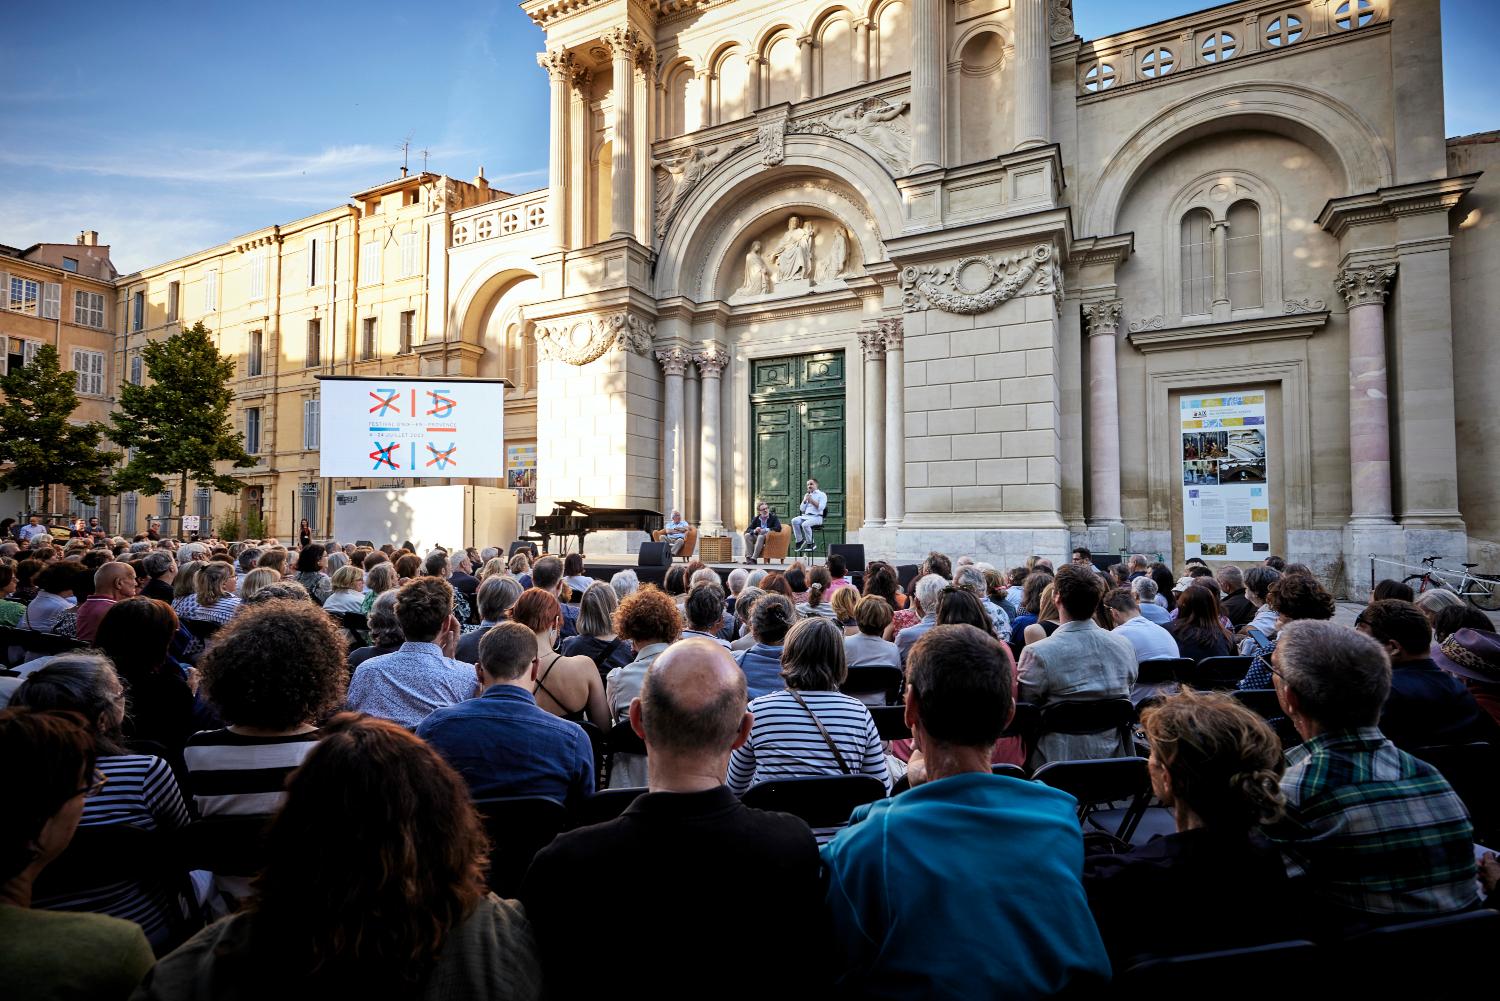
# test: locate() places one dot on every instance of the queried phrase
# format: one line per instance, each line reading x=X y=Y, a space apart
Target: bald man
x=708 y=880
x=113 y=582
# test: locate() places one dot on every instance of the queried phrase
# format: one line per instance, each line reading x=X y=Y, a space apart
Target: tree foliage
x=178 y=424
x=39 y=443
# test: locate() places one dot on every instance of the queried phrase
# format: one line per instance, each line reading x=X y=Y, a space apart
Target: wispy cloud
x=140 y=233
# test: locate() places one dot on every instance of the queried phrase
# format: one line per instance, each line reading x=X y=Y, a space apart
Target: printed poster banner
x=410 y=428
x=1226 y=506
x=520 y=471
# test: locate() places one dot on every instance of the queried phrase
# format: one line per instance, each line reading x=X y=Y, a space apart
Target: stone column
x=753 y=88
x=873 y=343
x=892 y=332
x=692 y=437
x=622 y=44
x=862 y=50
x=559 y=66
x=674 y=361
x=1033 y=75
x=805 y=84
x=711 y=369
x=1103 y=319
x=1364 y=290
x=1221 y=306
x=927 y=84
x=705 y=98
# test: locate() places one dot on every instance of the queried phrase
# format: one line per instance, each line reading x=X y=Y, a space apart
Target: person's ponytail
x=814 y=595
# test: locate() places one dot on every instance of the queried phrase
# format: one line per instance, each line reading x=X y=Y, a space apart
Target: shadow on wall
x=392 y=521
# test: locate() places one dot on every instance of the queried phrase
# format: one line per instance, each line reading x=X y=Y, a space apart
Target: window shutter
x=408 y=254
x=52 y=301
x=311 y=413
x=210 y=292
x=258 y=276
x=369 y=263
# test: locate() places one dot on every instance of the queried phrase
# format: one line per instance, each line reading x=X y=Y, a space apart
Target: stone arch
x=730 y=74
x=836 y=58
x=1198 y=194
x=851 y=186
x=484 y=286
x=1322 y=123
x=780 y=67
x=983 y=104
x=679 y=85
x=890 y=47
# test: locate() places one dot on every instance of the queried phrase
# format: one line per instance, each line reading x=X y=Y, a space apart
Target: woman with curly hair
x=1216 y=882
x=649 y=621
x=372 y=887
x=1294 y=596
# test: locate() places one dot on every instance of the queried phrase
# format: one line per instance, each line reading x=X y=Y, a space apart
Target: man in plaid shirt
x=1376 y=832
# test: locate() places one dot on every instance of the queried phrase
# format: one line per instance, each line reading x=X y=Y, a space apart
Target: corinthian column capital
x=557 y=62
x=711 y=362
x=1365 y=286
x=892 y=331
x=1103 y=317
x=674 y=360
x=873 y=344
x=622 y=43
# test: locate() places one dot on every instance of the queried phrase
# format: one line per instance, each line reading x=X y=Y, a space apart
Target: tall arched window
x=733 y=73
x=891 y=41
x=1197 y=263
x=836 y=56
x=528 y=343
x=1242 y=253
x=782 y=70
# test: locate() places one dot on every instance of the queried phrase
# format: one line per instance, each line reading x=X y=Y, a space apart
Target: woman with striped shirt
x=809 y=728
x=140 y=792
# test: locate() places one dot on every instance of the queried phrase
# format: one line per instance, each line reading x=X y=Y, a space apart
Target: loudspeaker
x=518 y=547
x=654 y=554
x=853 y=554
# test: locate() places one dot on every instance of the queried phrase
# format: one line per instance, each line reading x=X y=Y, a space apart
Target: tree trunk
x=46 y=499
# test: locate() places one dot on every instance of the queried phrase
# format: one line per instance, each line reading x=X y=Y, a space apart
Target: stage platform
x=606 y=566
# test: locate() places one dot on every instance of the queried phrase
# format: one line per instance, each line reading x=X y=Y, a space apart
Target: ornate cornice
x=1270 y=328
x=1384 y=204
x=1365 y=286
x=1103 y=317
x=953 y=288
x=580 y=340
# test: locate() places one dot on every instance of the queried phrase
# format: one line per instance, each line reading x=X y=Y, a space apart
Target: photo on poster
x=1239 y=535
x=1200 y=472
x=1213 y=445
x=1214 y=549
x=1242 y=472
x=1247 y=444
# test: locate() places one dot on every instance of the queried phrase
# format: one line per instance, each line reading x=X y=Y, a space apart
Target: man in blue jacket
x=969 y=884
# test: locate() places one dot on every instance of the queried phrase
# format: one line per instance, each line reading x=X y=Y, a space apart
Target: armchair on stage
x=689 y=543
x=778 y=545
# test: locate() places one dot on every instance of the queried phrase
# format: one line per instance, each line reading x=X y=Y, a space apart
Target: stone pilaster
x=892 y=332
x=711 y=362
x=674 y=361
x=559 y=66
x=1103 y=320
x=927 y=71
x=1033 y=74
x=872 y=344
x=1365 y=291
x=622 y=44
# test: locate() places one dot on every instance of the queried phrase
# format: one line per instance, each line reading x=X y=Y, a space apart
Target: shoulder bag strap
x=827 y=737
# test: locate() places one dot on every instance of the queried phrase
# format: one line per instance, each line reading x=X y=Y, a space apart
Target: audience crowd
x=356 y=722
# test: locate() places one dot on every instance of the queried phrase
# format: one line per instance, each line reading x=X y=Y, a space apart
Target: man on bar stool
x=814 y=503
x=762 y=527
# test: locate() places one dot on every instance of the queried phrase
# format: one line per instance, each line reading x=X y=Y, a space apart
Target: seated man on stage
x=814 y=504
x=676 y=529
x=764 y=525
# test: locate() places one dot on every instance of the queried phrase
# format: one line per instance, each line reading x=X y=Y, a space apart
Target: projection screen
x=411 y=427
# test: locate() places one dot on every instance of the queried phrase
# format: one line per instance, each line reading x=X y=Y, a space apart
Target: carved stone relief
x=580 y=341
x=873 y=124
x=1060 y=20
x=976 y=284
x=1308 y=305
x=679 y=174
x=772 y=139
x=803 y=255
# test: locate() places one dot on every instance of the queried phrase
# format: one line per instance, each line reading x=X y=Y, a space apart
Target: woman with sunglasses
x=48 y=954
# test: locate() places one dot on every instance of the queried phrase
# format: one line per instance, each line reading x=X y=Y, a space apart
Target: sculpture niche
x=804 y=258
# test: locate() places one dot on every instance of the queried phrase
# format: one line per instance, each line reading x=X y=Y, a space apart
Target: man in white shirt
x=814 y=504
x=676 y=532
x=1150 y=640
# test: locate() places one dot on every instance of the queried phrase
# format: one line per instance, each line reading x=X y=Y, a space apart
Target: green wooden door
x=797 y=411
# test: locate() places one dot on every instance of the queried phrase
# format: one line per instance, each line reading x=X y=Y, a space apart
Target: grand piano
x=574 y=518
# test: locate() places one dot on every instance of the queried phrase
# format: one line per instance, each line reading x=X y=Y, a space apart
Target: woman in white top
x=348 y=590
x=817 y=596
x=573 y=575
x=809 y=728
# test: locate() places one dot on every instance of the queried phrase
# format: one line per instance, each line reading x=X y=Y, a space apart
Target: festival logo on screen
x=402 y=435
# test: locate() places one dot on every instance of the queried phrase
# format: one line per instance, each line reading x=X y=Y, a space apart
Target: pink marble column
x=1103 y=320
x=1364 y=290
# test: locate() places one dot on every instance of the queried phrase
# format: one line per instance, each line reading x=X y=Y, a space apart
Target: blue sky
x=170 y=126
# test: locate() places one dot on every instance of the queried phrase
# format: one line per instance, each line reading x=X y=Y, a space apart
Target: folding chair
x=599 y=742
x=890 y=721
x=1086 y=716
x=519 y=827
x=30 y=641
x=1262 y=702
x=1471 y=769
x=1293 y=963
x=201 y=628
x=865 y=680
x=824 y=801
x=1008 y=770
x=1398 y=960
x=606 y=804
x=1104 y=780
x=621 y=739
x=1217 y=674
x=1156 y=679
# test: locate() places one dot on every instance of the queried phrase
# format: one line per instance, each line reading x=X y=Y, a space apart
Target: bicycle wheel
x=1483 y=594
x=1418 y=582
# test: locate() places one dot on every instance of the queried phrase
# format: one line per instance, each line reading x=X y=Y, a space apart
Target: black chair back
x=519 y=827
x=201 y=628
x=606 y=804
x=1215 y=673
x=41 y=644
x=1471 y=770
x=890 y=721
x=600 y=745
x=1163 y=671
x=1008 y=770
x=225 y=846
x=1262 y=702
x=621 y=739
x=1395 y=961
x=1183 y=976
x=1083 y=716
x=1104 y=780
x=862 y=680
x=518 y=547
x=823 y=801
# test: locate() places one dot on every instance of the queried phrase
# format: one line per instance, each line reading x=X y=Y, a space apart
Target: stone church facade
x=962 y=265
